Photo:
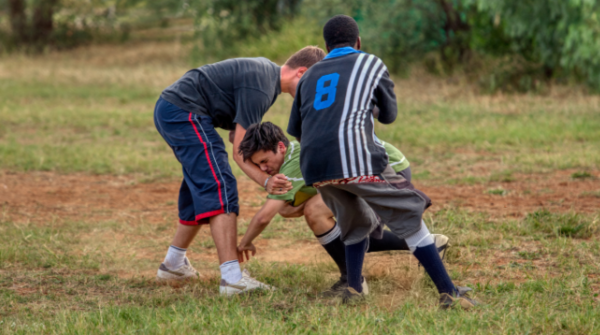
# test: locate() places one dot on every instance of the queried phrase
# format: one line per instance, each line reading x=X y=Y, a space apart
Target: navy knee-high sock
x=389 y=241
x=431 y=261
x=334 y=246
x=355 y=256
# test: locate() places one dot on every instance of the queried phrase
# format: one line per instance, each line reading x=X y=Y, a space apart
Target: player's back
x=332 y=114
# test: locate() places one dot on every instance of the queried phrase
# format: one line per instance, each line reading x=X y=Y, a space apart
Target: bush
x=560 y=38
x=221 y=24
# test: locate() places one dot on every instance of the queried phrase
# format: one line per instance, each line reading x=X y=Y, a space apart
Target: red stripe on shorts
x=188 y=223
x=210 y=164
x=209 y=214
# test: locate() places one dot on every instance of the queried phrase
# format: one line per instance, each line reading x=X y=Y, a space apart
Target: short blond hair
x=306 y=57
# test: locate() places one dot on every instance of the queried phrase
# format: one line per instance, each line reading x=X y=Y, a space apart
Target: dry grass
x=78 y=251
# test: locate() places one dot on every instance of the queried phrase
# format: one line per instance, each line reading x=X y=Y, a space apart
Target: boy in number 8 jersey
x=332 y=116
x=266 y=146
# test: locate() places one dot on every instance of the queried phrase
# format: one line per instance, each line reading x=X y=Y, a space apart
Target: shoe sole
x=456 y=302
x=170 y=279
x=244 y=292
x=339 y=293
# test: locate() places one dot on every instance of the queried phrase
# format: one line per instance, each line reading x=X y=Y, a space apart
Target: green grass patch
x=100 y=120
x=59 y=279
x=570 y=224
x=497 y=191
x=582 y=175
x=595 y=194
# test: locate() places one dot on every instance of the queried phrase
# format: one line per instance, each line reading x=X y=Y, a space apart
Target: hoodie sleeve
x=385 y=99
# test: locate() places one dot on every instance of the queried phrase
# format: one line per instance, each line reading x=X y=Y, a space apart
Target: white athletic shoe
x=441 y=243
x=245 y=284
x=184 y=272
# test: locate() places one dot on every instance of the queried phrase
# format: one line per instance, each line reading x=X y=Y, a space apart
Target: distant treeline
x=519 y=45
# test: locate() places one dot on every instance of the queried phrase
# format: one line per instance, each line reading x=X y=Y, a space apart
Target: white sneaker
x=186 y=271
x=441 y=243
x=365 y=287
x=245 y=284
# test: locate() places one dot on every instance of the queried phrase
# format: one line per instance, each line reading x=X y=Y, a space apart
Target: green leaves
x=562 y=36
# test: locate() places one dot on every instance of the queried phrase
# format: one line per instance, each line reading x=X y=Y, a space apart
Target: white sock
x=230 y=272
x=330 y=235
x=175 y=258
x=421 y=238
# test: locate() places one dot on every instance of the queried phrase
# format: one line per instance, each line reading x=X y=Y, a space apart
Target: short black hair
x=261 y=136
x=340 y=31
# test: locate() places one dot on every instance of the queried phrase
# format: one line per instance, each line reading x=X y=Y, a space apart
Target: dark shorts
x=361 y=209
x=209 y=187
x=406 y=173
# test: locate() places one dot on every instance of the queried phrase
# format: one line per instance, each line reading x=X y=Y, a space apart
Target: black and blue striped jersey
x=332 y=114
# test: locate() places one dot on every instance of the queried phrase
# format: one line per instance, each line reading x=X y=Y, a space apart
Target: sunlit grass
x=91 y=110
x=61 y=279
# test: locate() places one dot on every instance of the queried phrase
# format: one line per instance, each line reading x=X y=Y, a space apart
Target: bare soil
x=38 y=197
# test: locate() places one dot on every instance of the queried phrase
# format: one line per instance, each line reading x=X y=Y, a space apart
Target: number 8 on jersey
x=329 y=91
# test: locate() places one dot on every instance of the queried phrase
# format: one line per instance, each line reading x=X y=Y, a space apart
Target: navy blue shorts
x=209 y=187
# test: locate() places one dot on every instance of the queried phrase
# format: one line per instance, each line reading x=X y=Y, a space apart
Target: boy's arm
x=259 y=222
x=277 y=184
x=385 y=99
x=295 y=122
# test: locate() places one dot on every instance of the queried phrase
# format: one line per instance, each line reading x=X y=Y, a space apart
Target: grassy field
x=86 y=116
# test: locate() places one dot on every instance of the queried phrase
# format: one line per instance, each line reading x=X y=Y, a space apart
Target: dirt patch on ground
x=557 y=192
x=42 y=196
x=39 y=196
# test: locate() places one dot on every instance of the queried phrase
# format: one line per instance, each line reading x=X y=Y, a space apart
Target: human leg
x=320 y=220
x=208 y=192
x=223 y=229
x=176 y=266
x=356 y=221
x=400 y=206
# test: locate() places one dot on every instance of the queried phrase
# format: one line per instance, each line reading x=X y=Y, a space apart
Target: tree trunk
x=43 y=23
x=454 y=25
x=18 y=21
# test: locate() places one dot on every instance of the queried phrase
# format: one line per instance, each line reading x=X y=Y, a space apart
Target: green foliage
x=561 y=38
x=401 y=31
x=221 y=24
x=533 y=41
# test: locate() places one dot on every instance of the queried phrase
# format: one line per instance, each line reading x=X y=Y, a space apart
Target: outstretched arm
x=259 y=222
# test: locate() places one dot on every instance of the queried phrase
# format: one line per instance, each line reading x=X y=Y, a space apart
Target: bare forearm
x=261 y=220
x=251 y=170
x=255 y=228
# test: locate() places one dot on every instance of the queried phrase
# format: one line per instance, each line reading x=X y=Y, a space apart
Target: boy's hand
x=289 y=211
x=278 y=184
x=245 y=250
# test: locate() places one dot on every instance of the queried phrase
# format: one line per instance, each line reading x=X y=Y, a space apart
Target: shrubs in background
x=510 y=45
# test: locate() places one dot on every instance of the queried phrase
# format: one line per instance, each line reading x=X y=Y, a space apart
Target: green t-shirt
x=300 y=192
x=397 y=160
x=291 y=169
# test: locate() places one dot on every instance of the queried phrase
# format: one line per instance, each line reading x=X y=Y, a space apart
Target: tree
x=38 y=30
x=18 y=20
x=561 y=35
